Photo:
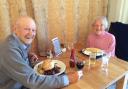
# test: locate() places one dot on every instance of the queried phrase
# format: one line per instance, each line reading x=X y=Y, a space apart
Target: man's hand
x=73 y=77
x=33 y=57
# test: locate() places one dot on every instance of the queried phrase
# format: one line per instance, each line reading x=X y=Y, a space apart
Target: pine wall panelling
x=69 y=20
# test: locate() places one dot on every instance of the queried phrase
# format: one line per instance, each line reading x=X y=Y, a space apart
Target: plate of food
x=98 y=52
x=50 y=67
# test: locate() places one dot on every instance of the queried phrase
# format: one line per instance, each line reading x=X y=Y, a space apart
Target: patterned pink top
x=105 y=41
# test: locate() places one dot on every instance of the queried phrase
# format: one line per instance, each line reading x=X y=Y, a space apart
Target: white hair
x=104 y=21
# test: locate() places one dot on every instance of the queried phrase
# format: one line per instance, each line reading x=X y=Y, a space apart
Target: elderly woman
x=100 y=38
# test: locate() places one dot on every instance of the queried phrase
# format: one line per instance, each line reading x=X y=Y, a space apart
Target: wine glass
x=79 y=65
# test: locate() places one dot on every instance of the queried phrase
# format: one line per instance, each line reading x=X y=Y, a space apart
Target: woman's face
x=98 y=27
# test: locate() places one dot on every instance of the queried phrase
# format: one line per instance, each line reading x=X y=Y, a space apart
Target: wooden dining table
x=94 y=77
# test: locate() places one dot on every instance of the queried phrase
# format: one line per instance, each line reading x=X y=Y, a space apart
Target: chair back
x=120 y=31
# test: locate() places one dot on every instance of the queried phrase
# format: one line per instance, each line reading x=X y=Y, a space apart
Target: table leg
x=122 y=83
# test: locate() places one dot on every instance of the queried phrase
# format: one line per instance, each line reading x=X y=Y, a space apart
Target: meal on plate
x=48 y=67
x=95 y=50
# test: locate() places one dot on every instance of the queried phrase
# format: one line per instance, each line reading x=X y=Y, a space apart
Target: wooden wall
x=69 y=20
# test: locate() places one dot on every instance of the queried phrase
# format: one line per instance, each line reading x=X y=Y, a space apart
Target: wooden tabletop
x=94 y=77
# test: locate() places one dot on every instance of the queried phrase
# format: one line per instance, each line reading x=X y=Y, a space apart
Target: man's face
x=98 y=27
x=26 y=31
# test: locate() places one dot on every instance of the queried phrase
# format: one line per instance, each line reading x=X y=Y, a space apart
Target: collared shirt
x=25 y=47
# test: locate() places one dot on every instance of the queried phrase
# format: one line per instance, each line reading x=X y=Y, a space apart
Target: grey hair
x=104 y=22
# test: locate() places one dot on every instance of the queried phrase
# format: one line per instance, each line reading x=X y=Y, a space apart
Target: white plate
x=86 y=52
x=58 y=63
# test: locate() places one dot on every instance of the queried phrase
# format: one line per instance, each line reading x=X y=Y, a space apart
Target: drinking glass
x=105 y=61
x=79 y=65
x=92 y=58
x=70 y=45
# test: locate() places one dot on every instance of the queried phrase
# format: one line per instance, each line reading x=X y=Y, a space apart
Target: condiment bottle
x=72 y=61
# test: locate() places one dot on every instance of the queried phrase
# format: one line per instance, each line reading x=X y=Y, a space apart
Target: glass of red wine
x=80 y=65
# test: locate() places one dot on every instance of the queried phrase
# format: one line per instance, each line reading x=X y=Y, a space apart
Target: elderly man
x=100 y=38
x=15 y=69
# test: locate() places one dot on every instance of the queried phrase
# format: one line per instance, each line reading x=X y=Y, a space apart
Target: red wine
x=80 y=65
